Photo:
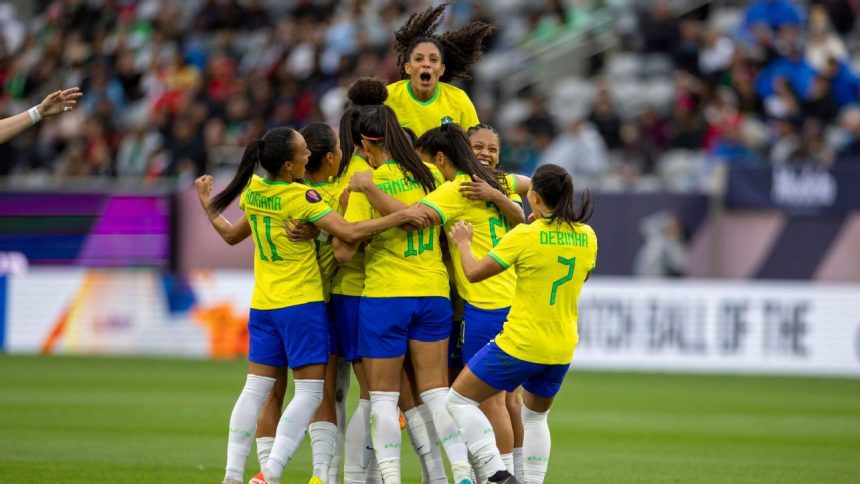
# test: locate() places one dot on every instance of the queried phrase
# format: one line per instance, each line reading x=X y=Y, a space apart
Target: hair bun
x=367 y=91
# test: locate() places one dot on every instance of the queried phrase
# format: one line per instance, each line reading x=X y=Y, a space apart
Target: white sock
x=373 y=475
x=385 y=434
x=292 y=427
x=455 y=448
x=243 y=423
x=518 y=463
x=536 y=445
x=433 y=460
x=323 y=436
x=344 y=372
x=478 y=474
x=356 y=452
x=419 y=422
x=476 y=431
x=508 y=459
x=264 y=448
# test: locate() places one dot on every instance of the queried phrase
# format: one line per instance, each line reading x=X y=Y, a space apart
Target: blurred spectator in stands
x=687 y=129
x=849 y=153
x=539 y=119
x=685 y=52
x=724 y=136
x=813 y=148
x=786 y=140
x=137 y=149
x=519 y=152
x=659 y=28
x=822 y=44
x=792 y=67
x=604 y=117
x=782 y=102
x=742 y=81
x=716 y=54
x=845 y=84
x=635 y=155
x=654 y=129
x=821 y=103
x=663 y=253
x=579 y=149
x=773 y=14
x=842 y=13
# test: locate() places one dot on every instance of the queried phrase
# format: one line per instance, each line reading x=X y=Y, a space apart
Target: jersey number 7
x=570 y=263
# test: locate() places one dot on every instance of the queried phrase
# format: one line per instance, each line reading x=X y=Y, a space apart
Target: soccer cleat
x=503 y=477
x=466 y=481
x=402 y=421
x=316 y=480
x=258 y=479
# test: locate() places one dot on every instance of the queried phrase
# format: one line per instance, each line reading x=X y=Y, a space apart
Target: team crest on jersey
x=447 y=119
x=313 y=196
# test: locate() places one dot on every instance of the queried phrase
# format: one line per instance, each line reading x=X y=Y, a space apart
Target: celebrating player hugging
x=362 y=239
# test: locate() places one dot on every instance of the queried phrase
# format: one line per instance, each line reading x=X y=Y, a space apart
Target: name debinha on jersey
x=557 y=237
x=262 y=202
x=401 y=185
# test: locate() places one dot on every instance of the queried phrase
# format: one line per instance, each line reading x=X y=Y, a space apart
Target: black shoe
x=503 y=477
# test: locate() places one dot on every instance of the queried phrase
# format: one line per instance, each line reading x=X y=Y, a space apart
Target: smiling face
x=425 y=66
x=485 y=145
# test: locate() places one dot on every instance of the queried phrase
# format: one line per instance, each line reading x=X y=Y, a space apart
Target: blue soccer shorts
x=293 y=336
x=386 y=324
x=504 y=372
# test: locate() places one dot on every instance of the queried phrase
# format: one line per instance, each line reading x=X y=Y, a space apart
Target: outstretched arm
x=348 y=235
x=232 y=233
x=55 y=103
x=481 y=190
x=475 y=270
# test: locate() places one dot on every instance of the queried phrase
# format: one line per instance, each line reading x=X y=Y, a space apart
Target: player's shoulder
x=397 y=88
x=452 y=90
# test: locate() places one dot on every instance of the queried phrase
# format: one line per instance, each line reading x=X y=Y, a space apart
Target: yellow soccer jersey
x=330 y=192
x=285 y=273
x=349 y=278
x=400 y=263
x=448 y=105
x=552 y=261
x=489 y=226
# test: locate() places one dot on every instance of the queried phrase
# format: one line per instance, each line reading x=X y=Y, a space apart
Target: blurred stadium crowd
x=173 y=89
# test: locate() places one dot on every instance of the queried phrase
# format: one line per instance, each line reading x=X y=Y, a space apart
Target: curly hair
x=460 y=49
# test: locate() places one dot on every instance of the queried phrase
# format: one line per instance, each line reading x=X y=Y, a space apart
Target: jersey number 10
x=414 y=249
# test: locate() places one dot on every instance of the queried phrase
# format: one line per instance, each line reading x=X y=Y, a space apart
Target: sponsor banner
x=128 y=312
x=719 y=326
x=799 y=190
x=624 y=324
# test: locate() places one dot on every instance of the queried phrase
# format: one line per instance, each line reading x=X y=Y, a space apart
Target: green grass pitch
x=87 y=420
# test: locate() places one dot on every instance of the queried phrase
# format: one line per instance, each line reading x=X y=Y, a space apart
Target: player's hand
x=204 y=188
x=298 y=231
x=415 y=217
x=60 y=101
x=478 y=190
x=344 y=199
x=532 y=217
x=360 y=181
x=461 y=233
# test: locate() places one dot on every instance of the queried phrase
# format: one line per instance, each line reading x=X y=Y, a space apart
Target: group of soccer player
x=378 y=243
